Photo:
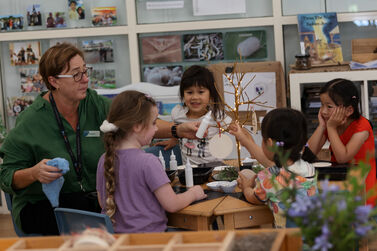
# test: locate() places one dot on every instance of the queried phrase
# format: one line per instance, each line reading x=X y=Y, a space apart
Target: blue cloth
x=52 y=189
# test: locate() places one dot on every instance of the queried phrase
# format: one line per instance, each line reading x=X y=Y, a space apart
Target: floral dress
x=271 y=181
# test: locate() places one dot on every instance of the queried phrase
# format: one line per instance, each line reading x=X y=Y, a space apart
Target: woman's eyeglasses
x=77 y=76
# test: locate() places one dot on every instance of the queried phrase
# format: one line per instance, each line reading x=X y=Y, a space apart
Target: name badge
x=91 y=133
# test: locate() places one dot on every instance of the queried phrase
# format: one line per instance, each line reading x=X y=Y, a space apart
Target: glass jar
x=303 y=62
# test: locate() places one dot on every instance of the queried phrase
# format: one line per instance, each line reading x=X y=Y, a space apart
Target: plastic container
x=204 y=125
x=189 y=179
x=162 y=160
x=173 y=162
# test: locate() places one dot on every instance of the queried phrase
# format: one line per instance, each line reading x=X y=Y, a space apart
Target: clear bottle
x=173 y=162
x=161 y=157
x=189 y=178
x=204 y=125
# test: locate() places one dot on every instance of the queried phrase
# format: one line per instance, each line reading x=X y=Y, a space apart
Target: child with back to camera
x=287 y=129
x=133 y=188
x=350 y=134
x=199 y=95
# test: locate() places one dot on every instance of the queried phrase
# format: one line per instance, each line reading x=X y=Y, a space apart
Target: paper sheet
x=218 y=7
x=263 y=82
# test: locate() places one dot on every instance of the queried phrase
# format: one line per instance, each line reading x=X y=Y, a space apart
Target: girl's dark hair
x=129 y=108
x=288 y=127
x=197 y=75
x=343 y=92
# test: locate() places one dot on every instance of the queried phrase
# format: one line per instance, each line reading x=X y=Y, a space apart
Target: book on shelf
x=320 y=38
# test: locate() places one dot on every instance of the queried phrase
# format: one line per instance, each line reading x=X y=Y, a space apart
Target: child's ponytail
x=109 y=166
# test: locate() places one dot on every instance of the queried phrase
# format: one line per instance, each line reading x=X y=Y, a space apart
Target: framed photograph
x=25 y=53
x=203 y=47
x=76 y=10
x=98 y=51
x=56 y=20
x=102 y=79
x=31 y=81
x=11 y=22
x=103 y=16
x=163 y=75
x=33 y=15
x=63 y=40
x=245 y=45
x=161 y=49
x=17 y=104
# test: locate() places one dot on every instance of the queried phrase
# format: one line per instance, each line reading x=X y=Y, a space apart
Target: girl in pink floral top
x=287 y=129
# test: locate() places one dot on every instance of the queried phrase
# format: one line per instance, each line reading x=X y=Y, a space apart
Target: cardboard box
x=364 y=50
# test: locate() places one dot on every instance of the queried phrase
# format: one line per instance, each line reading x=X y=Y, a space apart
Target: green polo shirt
x=36 y=136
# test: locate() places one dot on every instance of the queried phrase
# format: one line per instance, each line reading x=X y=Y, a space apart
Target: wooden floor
x=6 y=226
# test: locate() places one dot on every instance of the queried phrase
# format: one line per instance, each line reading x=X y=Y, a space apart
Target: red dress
x=366 y=151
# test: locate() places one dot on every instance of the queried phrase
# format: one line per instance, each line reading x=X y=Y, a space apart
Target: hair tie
x=354 y=97
x=280 y=143
x=306 y=145
x=108 y=127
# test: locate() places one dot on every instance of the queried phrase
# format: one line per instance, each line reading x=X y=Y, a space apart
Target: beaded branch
x=240 y=98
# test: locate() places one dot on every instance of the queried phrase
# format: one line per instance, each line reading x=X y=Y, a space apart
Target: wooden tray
x=286 y=239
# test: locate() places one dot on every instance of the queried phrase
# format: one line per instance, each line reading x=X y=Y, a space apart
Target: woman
x=69 y=108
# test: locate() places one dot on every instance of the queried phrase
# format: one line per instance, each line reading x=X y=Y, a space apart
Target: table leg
x=202 y=223
x=229 y=222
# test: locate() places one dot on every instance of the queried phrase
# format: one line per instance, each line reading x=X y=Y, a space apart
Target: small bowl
x=215 y=185
x=228 y=187
x=171 y=174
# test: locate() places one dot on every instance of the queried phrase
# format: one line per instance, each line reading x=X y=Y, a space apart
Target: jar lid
x=302 y=56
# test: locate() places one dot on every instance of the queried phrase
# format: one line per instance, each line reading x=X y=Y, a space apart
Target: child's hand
x=244 y=182
x=241 y=134
x=198 y=192
x=337 y=118
x=167 y=143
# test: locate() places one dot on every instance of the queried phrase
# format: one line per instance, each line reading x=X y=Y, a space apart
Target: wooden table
x=241 y=214
x=236 y=214
x=195 y=217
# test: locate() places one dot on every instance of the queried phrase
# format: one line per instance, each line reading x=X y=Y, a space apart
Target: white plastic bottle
x=188 y=174
x=173 y=162
x=161 y=157
x=204 y=125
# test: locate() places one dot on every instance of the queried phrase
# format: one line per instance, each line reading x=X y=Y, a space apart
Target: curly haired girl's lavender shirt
x=137 y=177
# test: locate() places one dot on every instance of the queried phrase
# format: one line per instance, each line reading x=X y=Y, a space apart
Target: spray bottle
x=162 y=160
x=173 y=161
x=188 y=174
x=204 y=125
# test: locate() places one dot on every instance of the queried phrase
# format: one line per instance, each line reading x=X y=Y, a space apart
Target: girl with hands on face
x=340 y=122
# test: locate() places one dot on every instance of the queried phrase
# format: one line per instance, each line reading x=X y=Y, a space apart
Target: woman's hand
x=188 y=130
x=337 y=118
x=167 y=143
x=45 y=173
x=198 y=192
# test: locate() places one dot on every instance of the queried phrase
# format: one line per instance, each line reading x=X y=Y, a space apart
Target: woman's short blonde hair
x=55 y=59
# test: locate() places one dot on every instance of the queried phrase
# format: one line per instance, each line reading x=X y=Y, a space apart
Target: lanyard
x=76 y=162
